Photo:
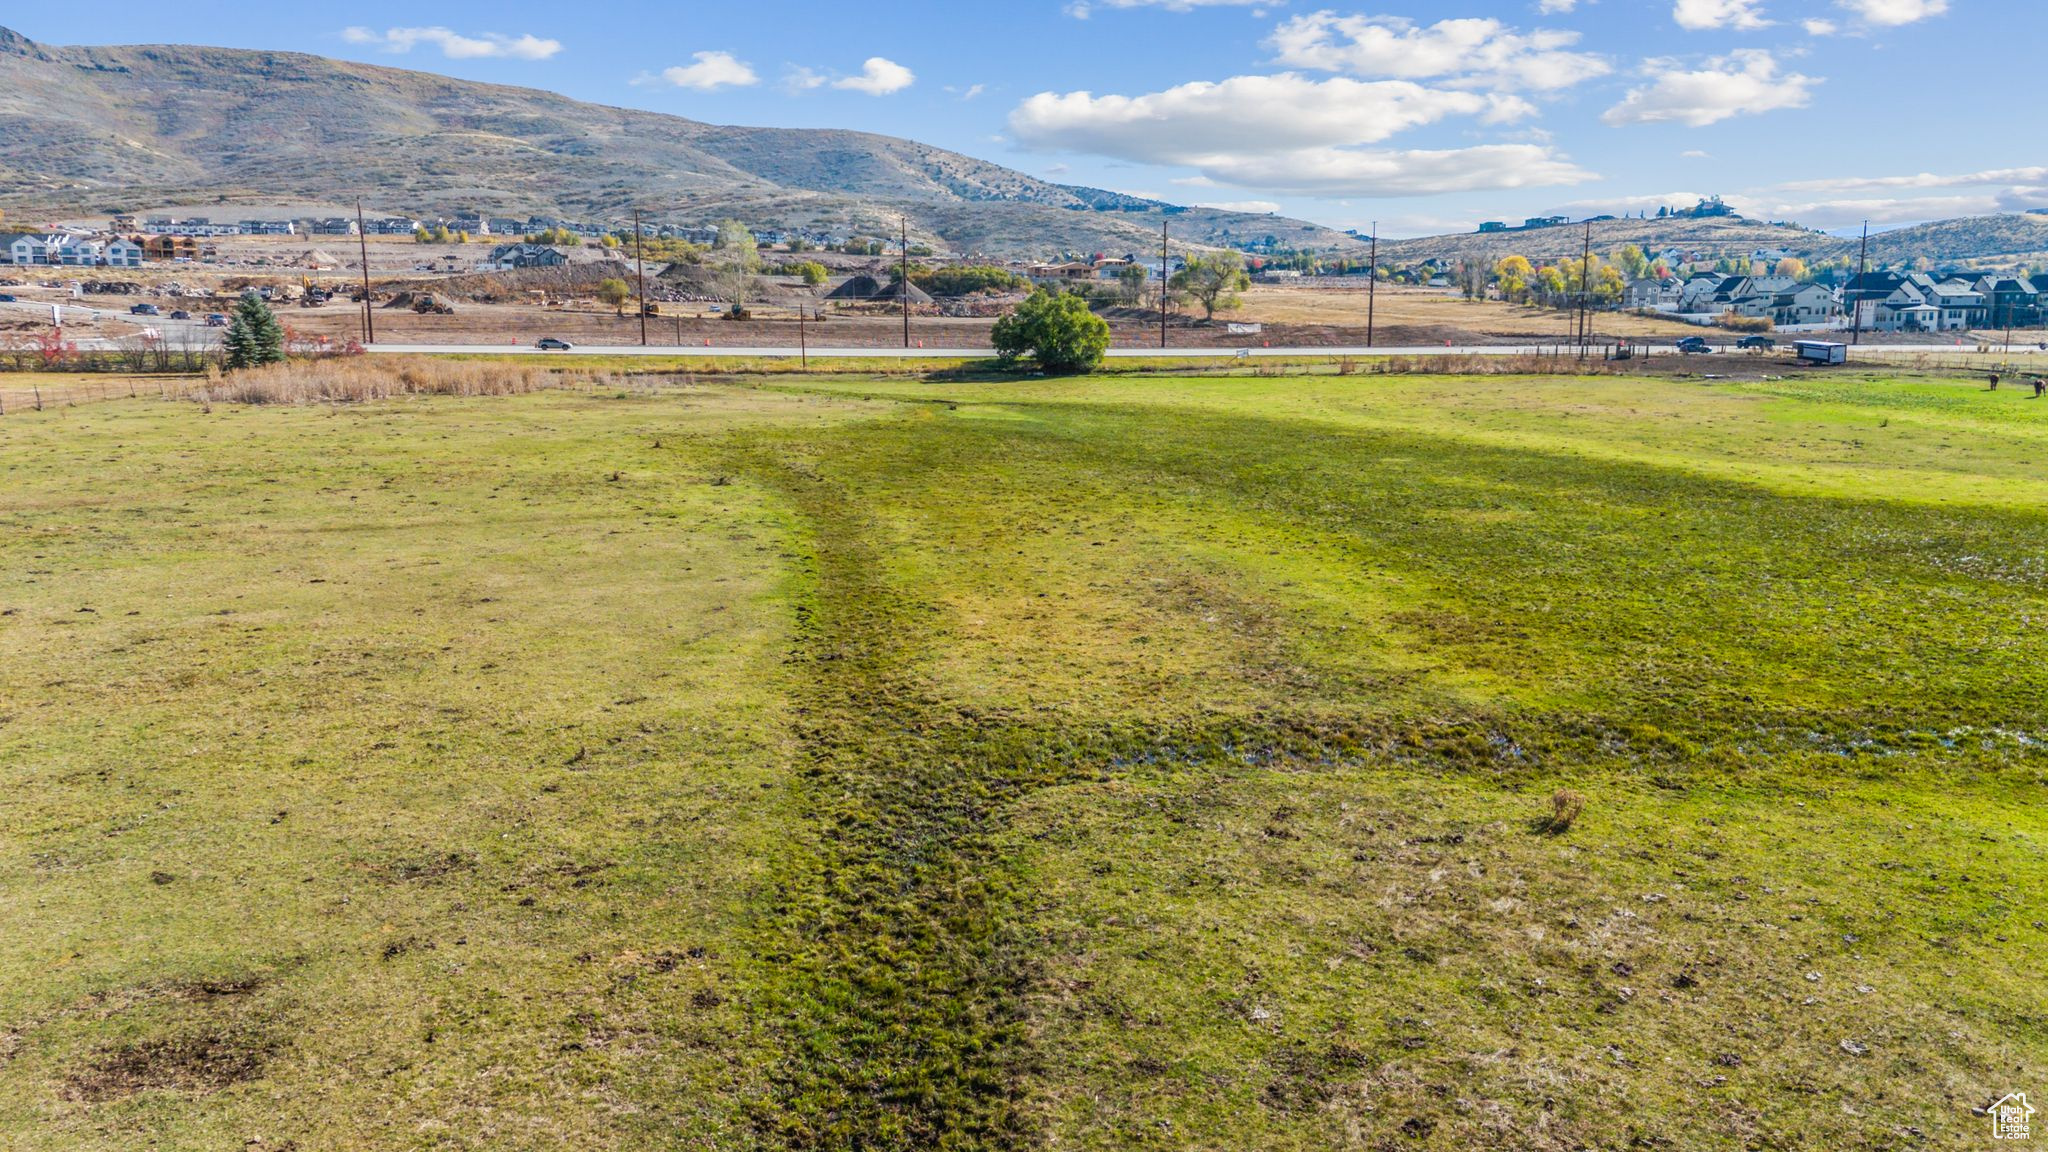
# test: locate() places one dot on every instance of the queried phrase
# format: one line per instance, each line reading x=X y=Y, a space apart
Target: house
x=27 y=249
x=2014 y=300
x=1805 y=304
x=269 y=228
x=506 y=257
x=170 y=247
x=73 y=252
x=1070 y=270
x=1651 y=292
x=334 y=226
x=122 y=252
x=1962 y=305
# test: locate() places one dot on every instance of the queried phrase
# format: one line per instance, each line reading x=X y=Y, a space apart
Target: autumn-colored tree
x=1514 y=274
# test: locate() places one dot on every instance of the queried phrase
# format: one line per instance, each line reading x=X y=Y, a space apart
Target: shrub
x=1565 y=808
x=1734 y=323
x=1057 y=331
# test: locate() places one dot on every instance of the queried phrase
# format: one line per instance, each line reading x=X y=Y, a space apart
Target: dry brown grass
x=1405 y=307
x=1565 y=809
x=356 y=381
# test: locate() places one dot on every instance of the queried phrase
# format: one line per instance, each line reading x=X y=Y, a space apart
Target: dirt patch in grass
x=200 y=1062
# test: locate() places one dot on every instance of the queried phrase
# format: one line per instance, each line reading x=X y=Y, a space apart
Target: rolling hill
x=128 y=128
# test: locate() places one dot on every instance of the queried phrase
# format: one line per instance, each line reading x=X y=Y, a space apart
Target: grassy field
x=859 y=763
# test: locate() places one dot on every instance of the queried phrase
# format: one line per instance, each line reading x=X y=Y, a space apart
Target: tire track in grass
x=891 y=968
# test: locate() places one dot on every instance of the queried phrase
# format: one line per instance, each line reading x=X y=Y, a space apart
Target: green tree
x=254 y=335
x=615 y=292
x=1213 y=280
x=813 y=273
x=1131 y=280
x=1633 y=262
x=1058 y=331
x=739 y=262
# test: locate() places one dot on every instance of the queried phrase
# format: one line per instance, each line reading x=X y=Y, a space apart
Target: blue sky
x=1426 y=117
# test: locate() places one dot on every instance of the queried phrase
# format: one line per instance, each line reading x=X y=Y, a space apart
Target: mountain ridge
x=149 y=125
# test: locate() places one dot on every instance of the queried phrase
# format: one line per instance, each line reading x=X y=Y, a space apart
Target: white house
x=74 y=252
x=122 y=252
x=27 y=250
x=1651 y=292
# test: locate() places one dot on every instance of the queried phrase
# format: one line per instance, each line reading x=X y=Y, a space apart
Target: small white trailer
x=1821 y=352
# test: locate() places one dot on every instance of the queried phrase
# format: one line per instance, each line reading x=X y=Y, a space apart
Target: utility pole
x=640 y=261
x=1163 y=259
x=363 y=246
x=803 y=343
x=1862 y=270
x=1372 y=285
x=1585 y=294
x=906 y=280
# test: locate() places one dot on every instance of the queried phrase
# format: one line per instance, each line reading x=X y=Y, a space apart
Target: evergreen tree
x=254 y=335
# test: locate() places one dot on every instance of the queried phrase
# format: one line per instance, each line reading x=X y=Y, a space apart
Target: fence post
x=38 y=390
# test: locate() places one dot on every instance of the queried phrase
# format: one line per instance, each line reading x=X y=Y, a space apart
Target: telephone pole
x=1585 y=294
x=363 y=246
x=1862 y=270
x=906 y=280
x=640 y=262
x=1372 y=285
x=1163 y=258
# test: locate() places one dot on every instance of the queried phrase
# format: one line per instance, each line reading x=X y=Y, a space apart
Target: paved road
x=791 y=353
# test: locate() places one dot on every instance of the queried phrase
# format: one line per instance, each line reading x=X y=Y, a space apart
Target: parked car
x=145 y=310
x=1762 y=343
x=551 y=344
x=1695 y=345
x=6 y=299
x=216 y=320
x=181 y=314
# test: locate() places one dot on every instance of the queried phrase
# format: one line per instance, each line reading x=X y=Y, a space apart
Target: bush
x=1057 y=331
x=966 y=280
x=1734 y=323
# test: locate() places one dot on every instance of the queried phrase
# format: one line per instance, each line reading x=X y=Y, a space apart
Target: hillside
x=124 y=128
x=1978 y=240
x=1730 y=234
x=1972 y=239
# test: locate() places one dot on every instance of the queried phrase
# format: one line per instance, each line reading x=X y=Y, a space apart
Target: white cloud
x=1557 y=7
x=454 y=46
x=712 y=71
x=1255 y=207
x=1353 y=172
x=800 y=79
x=1081 y=9
x=878 y=77
x=1892 y=13
x=1744 y=83
x=968 y=93
x=1702 y=15
x=1695 y=154
x=1288 y=133
x=1819 y=27
x=1465 y=53
x=1247 y=114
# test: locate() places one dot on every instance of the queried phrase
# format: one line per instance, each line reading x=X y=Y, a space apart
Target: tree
x=1514 y=273
x=812 y=273
x=1213 y=279
x=1057 y=331
x=739 y=262
x=1131 y=278
x=615 y=292
x=254 y=335
x=1792 y=268
x=1633 y=262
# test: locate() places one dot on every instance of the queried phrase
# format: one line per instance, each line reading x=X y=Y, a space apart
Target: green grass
x=851 y=762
